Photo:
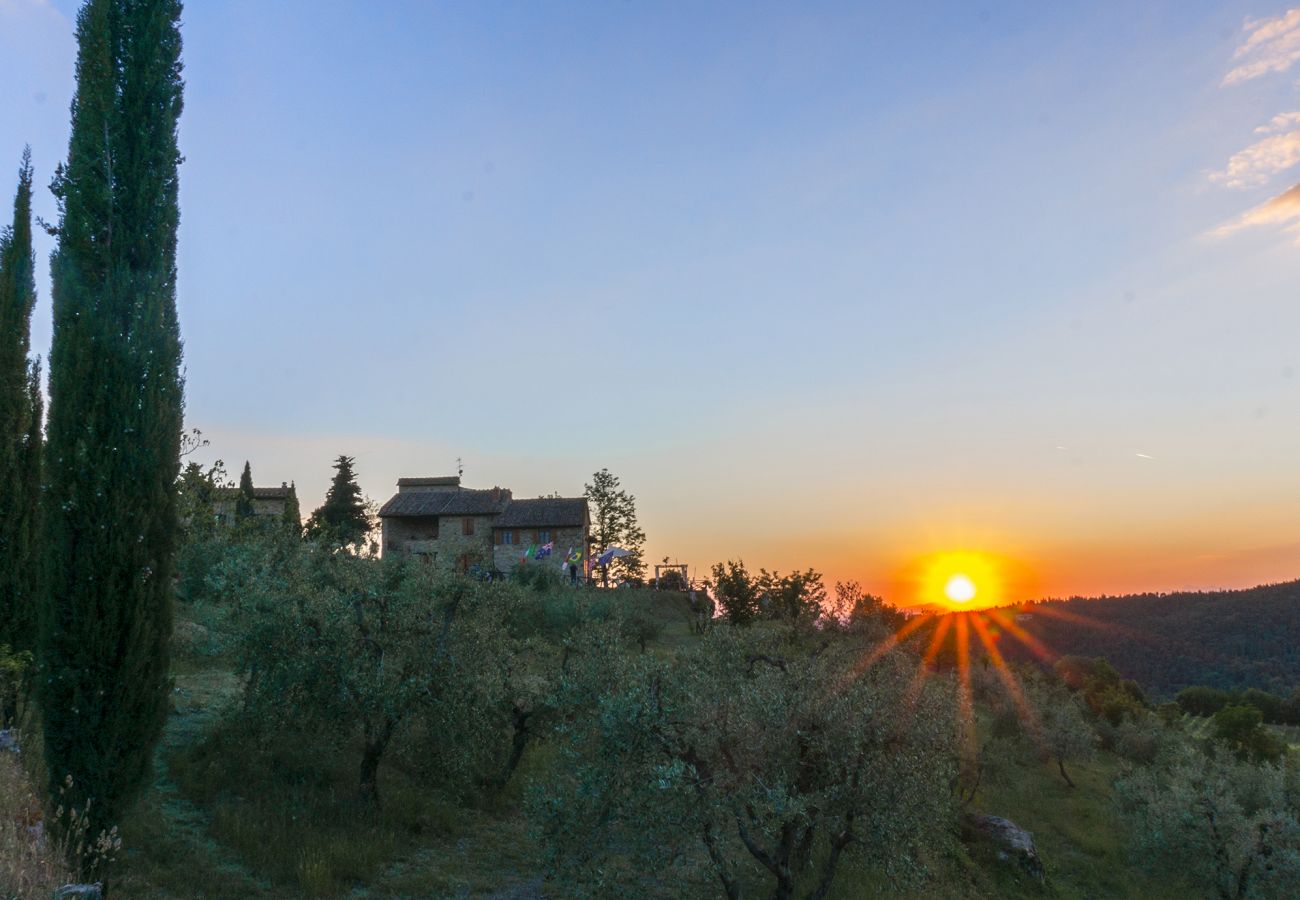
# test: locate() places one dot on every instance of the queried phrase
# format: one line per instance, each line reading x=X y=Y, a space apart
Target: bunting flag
x=545 y=550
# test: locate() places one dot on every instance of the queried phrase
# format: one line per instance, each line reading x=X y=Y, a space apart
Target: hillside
x=1225 y=639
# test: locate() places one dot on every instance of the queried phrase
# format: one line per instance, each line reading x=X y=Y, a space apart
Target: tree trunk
x=376 y=742
x=518 y=743
x=370 y=757
x=729 y=885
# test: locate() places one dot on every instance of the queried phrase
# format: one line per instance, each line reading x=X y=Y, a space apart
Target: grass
x=30 y=866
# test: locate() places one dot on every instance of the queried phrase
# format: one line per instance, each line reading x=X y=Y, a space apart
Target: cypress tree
x=292 y=515
x=115 y=411
x=20 y=425
x=244 y=509
x=342 y=519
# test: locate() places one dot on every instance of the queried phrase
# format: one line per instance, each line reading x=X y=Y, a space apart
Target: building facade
x=268 y=502
x=460 y=529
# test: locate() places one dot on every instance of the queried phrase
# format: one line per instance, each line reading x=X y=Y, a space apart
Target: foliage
x=20 y=425
x=1059 y=724
x=115 y=412
x=196 y=491
x=799 y=597
x=1230 y=640
x=854 y=608
x=338 y=645
x=1199 y=700
x=1107 y=696
x=1241 y=729
x=15 y=673
x=344 y=519
x=244 y=509
x=768 y=754
x=292 y=515
x=672 y=580
x=736 y=592
x=614 y=524
x=1227 y=824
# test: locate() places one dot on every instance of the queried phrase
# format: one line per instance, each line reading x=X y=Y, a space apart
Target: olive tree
x=776 y=758
x=1226 y=823
x=353 y=647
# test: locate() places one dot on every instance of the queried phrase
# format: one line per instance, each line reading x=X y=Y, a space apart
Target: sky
x=828 y=285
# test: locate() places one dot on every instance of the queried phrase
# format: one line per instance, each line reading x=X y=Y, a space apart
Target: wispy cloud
x=1270 y=45
x=1283 y=209
x=1255 y=164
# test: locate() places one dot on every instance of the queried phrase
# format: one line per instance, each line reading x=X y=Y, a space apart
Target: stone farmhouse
x=267 y=501
x=458 y=528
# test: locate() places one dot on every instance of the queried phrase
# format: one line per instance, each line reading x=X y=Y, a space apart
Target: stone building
x=459 y=528
x=267 y=501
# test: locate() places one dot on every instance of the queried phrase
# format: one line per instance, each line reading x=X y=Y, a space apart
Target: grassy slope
x=205 y=830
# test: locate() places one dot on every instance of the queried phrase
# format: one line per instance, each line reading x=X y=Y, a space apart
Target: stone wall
x=508 y=556
x=442 y=539
x=224 y=510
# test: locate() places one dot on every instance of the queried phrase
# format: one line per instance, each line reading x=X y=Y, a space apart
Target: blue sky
x=824 y=284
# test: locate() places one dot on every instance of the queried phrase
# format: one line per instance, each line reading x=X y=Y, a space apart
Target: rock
x=80 y=892
x=1013 y=843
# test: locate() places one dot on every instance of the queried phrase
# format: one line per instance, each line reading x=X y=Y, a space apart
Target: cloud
x=1283 y=209
x=1277 y=152
x=1270 y=45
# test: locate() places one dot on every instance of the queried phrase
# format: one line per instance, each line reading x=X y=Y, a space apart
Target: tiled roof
x=446 y=503
x=438 y=481
x=559 y=512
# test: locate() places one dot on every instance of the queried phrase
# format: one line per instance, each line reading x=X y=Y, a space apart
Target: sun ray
x=923 y=668
x=1009 y=624
x=889 y=643
x=1027 y=714
x=965 y=701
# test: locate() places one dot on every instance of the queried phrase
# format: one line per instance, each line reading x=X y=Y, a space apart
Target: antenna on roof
x=460 y=468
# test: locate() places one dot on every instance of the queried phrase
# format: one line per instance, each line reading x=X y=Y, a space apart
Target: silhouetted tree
x=343 y=518
x=244 y=502
x=292 y=515
x=614 y=525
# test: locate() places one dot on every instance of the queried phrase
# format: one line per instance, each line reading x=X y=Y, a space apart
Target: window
x=507 y=537
x=467 y=526
x=543 y=537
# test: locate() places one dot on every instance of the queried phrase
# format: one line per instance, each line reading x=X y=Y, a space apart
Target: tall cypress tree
x=20 y=424
x=244 y=508
x=292 y=515
x=115 y=410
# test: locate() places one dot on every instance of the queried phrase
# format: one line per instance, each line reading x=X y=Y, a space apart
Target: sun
x=959 y=588
x=959 y=579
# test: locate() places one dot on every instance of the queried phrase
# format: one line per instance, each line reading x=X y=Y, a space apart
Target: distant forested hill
x=1166 y=642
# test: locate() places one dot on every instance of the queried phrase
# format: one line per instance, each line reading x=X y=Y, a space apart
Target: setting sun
x=959 y=589
x=961 y=579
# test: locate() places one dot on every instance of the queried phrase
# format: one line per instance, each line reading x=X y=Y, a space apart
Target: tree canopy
x=614 y=524
x=111 y=523
x=343 y=518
